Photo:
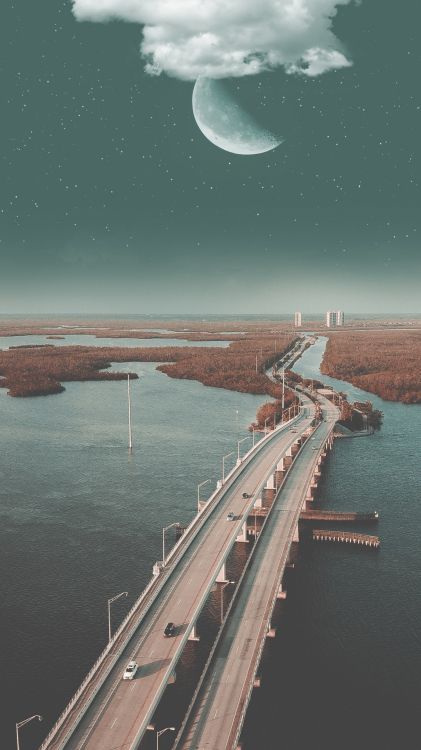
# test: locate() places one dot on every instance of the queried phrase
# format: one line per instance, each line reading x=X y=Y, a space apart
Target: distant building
x=297 y=319
x=335 y=318
x=330 y=319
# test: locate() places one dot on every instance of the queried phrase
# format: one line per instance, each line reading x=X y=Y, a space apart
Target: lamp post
x=227 y=583
x=265 y=423
x=283 y=387
x=109 y=603
x=176 y=523
x=223 y=464
x=238 y=446
x=20 y=724
x=161 y=731
x=198 y=492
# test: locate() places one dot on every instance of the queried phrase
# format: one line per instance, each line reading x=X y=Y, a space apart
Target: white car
x=230 y=516
x=130 y=670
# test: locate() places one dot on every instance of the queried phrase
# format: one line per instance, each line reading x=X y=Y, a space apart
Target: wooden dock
x=330 y=515
x=348 y=537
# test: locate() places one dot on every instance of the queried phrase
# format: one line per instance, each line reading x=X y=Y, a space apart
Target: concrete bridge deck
x=109 y=713
x=218 y=709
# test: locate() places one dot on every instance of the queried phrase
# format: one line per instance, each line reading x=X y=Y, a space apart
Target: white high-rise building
x=330 y=319
x=335 y=318
x=297 y=319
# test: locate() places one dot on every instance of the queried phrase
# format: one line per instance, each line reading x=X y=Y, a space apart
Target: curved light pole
x=238 y=447
x=176 y=523
x=22 y=723
x=198 y=492
x=109 y=603
x=223 y=464
x=161 y=731
x=227 y=583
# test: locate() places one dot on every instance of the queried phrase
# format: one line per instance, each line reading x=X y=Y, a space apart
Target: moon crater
x=227 y=125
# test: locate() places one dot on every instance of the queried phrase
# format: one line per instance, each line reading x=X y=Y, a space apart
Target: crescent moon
x=225 y=124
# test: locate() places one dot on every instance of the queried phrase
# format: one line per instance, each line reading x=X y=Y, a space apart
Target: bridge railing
x=155 y=582
x=233 y=601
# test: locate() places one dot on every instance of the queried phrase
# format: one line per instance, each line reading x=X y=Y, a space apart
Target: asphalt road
x=118 y=715
x=217 y=714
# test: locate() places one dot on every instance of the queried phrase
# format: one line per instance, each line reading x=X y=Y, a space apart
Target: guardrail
x=235 y=598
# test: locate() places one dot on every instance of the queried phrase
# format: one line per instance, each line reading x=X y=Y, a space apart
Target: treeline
x=41 y=370
x=385 y=363
x=270 y=413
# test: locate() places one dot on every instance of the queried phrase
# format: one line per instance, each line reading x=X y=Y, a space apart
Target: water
x=347 y=660
x=88 y=340
x=81 y=520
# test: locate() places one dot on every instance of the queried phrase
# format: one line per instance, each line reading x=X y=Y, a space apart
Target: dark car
x=169 y=630
x=246 y=495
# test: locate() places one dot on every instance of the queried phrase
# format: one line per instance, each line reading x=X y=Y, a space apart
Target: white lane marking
x=151 y=652
x=115 y=720
x=215 y=714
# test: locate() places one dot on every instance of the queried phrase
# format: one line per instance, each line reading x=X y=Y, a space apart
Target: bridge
x=280 y=474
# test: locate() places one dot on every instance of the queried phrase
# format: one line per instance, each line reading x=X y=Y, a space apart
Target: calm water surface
x=88 y=340
x=345 y=669
x=81 y=521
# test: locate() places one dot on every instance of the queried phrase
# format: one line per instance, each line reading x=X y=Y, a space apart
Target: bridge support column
x=172 y=678
x=287 y=459
x=258 y=502
x=242 y=537
x=296 y=537
x=193 y=634
x=282 y=594
x=269 y=492
x=222 y=575
x=271 y=632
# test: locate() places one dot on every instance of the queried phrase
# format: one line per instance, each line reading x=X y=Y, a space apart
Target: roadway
x=116 y=713
x=217 y=712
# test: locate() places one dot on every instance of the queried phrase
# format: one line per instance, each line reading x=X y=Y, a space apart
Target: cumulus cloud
x=228 y=38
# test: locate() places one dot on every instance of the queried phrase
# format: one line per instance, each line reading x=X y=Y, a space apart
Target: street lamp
x=223 y=464
x=161 y=731
x=176 y=523
x=198 y=492
x=109 y=603
x=238 y=446
x=227 y=583
x=22 y=723
x=265 y=423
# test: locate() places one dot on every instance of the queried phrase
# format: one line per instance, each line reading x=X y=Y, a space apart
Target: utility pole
x=130 y=413
x=283 y=388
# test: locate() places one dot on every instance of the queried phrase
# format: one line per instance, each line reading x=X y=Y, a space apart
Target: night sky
x=112 y=200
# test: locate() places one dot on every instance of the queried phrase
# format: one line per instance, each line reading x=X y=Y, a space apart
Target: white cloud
x=228 y=38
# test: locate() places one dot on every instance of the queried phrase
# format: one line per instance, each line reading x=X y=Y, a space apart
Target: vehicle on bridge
x=230 y=516
x=169 y=631
x=246 y=495
x=130 y=670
